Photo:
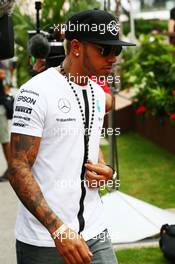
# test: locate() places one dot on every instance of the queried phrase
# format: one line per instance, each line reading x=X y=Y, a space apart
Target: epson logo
x=26 y=99
x=23 y=109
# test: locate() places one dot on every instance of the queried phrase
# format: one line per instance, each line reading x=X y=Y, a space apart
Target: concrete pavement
x=8 y=207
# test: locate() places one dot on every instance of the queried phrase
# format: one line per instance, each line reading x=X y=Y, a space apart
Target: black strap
x=83 y=189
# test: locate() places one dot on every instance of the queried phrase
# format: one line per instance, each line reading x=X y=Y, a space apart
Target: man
x=55 y=145
x=4 y=127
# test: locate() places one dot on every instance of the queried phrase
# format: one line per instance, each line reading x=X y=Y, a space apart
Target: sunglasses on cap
x=106 y=50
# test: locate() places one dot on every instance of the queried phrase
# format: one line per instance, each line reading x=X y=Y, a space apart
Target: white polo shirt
x=46 y=107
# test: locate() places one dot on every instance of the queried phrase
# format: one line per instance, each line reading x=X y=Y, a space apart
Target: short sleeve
x=29 y=111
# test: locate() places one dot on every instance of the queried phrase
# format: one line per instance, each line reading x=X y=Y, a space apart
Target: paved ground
x=8 y=202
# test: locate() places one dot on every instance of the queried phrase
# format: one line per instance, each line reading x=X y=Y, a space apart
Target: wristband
x=59 y=231
x=114 y=176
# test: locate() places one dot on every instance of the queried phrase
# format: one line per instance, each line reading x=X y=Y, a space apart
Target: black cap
x=96 y=26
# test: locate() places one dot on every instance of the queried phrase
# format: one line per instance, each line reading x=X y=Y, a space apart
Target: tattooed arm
x=24 y=150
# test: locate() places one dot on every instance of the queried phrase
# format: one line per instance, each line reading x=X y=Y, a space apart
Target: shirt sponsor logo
x=29 y=91
x=64 y=105
x=20 y=123
x=23 y=109
x=65 y=119
x=26 y=99
x=22 y=117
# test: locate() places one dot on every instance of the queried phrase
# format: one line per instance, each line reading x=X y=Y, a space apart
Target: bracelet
x=59 y=231
x=114 y=176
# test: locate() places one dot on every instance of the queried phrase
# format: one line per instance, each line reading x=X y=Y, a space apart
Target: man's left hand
x=97 y=174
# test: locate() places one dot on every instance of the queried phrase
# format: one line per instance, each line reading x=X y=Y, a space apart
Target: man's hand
x=73 y=248
x=97 y=174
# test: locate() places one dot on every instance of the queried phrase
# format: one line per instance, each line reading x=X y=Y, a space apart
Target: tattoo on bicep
x=25 y=147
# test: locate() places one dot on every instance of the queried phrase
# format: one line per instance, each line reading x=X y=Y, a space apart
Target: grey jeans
x=100 y=246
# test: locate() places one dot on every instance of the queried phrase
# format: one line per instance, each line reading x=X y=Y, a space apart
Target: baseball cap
x=96 y=26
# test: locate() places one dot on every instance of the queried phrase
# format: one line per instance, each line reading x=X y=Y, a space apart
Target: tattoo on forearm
x=24 y=152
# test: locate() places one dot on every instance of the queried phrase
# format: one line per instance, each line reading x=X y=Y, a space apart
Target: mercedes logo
x=113 y=27
x=64 y=105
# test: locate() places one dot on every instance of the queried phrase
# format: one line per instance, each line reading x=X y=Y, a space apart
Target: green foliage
x=78 y=5
x=22 y=23
x=52 y=13
x=150 y=71
x=146 y=26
